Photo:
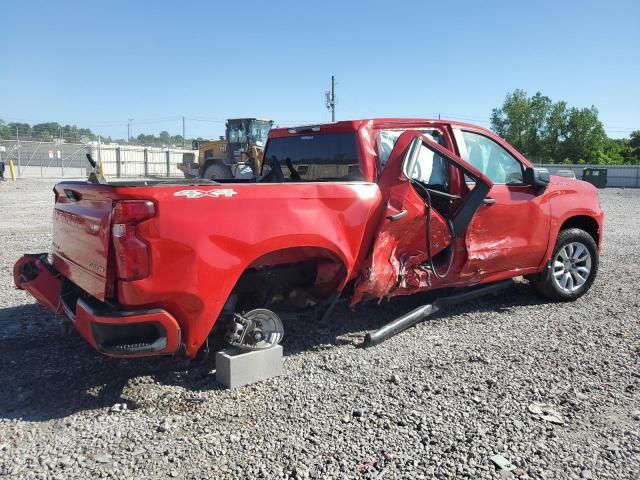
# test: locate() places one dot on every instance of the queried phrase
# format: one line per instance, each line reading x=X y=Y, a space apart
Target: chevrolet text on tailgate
x=366 y=209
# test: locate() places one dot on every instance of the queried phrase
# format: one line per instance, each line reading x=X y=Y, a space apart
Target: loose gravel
x=437 y=401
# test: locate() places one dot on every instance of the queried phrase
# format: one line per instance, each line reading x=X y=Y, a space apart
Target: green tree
x=545 y=131
x=24 y=129
x=46 y=131
x=523 y=121
x=71 y=134
x=164 y=137
x=585 y=135
x=634 y=147
x=555 y=132
x=615 y=151
x=536 y=136
x=5 y=131
x=511 y=120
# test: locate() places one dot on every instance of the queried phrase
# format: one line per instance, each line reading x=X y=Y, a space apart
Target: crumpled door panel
x=399 y=250
x=396 y=264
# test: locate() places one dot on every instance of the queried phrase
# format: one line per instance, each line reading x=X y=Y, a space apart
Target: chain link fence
x=56 y=159
x=45 y=159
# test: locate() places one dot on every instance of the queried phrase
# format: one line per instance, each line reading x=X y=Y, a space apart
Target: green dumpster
x=595 y=176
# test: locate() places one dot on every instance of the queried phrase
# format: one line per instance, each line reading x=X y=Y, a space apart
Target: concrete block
x=235 y=367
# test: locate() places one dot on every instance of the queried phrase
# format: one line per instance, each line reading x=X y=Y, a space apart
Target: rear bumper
x=111 y=331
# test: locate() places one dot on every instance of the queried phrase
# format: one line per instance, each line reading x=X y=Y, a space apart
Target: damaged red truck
x=358 y=209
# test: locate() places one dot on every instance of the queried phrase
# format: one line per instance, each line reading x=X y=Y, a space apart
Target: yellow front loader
x=237 y=155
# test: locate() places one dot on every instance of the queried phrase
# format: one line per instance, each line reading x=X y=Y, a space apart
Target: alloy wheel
x=572 y=266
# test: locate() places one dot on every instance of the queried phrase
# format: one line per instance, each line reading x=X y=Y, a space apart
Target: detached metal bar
x=410 y=319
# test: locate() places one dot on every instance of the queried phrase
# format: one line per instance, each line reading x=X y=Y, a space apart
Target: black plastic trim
x=99 y=309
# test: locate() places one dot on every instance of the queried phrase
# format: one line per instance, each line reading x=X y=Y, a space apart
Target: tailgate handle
x=72 y=195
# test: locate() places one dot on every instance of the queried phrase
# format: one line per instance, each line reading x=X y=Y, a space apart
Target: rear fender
x=197 y=332
x=198 y=258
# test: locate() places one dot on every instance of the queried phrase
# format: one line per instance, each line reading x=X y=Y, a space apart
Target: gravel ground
x=434 y=402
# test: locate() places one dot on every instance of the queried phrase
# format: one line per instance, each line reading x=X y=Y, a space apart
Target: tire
x=217 y=171
x=572 y=268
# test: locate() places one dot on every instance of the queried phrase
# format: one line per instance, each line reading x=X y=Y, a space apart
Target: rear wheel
x=573 y=267
x=217 y=171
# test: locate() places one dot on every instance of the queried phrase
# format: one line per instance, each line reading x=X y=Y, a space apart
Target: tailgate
x=81 y=232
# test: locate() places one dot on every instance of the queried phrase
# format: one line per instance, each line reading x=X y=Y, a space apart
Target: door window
x=491 y=159
x=430 y=168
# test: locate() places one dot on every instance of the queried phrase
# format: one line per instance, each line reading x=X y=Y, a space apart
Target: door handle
x=397 y=216
x=489 y=201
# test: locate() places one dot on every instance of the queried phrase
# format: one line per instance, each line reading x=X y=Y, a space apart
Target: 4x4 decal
x=220 y=192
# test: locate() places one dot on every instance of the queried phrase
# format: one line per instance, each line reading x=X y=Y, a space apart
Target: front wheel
x=573 y=267
x=217 y=172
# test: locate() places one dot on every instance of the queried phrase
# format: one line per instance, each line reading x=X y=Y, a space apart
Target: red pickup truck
x=358 y=209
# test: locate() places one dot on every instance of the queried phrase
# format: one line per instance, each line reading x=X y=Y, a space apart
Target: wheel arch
x=584 y=222
x=584 y=219
x=331 y=268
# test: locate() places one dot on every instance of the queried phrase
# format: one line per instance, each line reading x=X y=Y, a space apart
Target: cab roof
x=353 y=125
x=249 y=118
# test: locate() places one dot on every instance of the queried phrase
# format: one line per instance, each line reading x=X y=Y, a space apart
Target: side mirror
x=537 y=177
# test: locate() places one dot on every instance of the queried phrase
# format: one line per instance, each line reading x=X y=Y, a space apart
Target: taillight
x=131 y=252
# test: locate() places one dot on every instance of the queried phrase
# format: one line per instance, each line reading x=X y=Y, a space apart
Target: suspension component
x=255 y=330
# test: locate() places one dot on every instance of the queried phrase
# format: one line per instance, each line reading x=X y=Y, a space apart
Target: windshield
x=236 y=133
x=260 y=130
x=257 y=130
x=314 y=158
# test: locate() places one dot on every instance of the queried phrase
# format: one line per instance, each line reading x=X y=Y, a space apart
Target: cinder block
x=235 y=367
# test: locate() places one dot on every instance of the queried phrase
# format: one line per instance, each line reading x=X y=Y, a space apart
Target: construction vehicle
x=236 y=155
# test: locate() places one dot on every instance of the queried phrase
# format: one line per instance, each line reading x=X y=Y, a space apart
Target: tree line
x=543 y=131
x=548 y=132
x=50 y=131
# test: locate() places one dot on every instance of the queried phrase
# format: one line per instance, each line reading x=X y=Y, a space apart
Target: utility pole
x=330 y=99
x=61 y=152
x=129 y=130
x=18 y=148
x=183 y=139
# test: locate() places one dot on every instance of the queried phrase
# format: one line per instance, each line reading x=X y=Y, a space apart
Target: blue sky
x=96 y=64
